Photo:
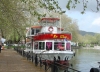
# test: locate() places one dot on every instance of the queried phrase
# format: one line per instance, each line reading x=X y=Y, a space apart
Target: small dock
x=11 y=61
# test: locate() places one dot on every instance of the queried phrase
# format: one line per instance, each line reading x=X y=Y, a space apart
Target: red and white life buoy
x=50 y=29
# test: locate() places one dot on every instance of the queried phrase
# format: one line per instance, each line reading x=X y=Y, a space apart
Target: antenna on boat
x=60 y=23
x=60 y=19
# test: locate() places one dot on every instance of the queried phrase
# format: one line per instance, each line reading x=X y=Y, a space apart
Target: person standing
x=0 y=47
x=0 y=43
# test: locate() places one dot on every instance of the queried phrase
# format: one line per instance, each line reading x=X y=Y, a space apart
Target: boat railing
x=43 y=33
x=65 y=32
x=58 y=65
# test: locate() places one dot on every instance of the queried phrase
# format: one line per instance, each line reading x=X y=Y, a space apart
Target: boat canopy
x=49 y=21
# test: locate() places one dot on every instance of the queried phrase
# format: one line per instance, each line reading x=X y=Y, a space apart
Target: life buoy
x=50 y=29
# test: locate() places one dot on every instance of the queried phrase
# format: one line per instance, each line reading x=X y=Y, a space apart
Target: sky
x=89 y=21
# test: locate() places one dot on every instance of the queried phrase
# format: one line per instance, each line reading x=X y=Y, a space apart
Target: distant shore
x=95 y=47
x=77 y=47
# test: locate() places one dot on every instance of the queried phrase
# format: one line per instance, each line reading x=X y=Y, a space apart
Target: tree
x=97 y=36
x=16 y=15
x=54 y=5
x=73 y=4
x=11 y=18
x=36 y=7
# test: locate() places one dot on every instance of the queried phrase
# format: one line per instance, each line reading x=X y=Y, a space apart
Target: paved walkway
x=11 y=61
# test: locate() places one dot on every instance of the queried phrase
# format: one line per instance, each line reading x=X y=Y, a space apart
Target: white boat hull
x=49 y=55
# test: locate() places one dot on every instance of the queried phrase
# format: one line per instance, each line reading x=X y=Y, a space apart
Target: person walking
x=0 y=47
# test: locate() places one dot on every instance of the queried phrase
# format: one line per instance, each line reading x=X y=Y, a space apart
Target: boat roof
x=51 y=19
x=36 y=26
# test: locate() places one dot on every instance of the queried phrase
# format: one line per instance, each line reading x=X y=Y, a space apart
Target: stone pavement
x=11 y=61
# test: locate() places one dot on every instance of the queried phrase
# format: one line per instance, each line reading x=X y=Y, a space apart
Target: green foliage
x=34 y=7
x=92 y=45
x=90 y=39
x=80 y=44
x=11 y=19
x=68 y=4
x=73 y=4
x=16 y=15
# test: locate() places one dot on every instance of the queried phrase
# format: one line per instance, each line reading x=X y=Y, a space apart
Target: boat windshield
x=59 y=46
x=34 y=31
x=49 y=21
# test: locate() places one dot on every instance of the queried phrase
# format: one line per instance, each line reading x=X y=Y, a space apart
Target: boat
x=48 y=42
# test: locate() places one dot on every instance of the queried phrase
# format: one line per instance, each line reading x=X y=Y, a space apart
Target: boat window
x=36 y=45
x=32 y=32
x=41 y=45
x=48 y=45
x=59 y=46
x=68 y=45
x=37 y=30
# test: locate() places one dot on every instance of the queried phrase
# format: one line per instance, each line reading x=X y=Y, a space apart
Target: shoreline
x=95 y=47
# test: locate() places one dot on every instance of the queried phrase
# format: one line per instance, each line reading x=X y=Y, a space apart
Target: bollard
x=54 y=65
x=36 y=60
x=45 y=66
x=27 y=55
x=22 y=52
x=32 y=59
x=40 y=62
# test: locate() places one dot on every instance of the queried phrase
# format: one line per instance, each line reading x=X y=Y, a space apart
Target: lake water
x=85 y=59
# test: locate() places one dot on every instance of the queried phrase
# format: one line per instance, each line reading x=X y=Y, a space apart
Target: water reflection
x=85 y=59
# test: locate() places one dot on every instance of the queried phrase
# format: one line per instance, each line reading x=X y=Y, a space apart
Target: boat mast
x=60 y=23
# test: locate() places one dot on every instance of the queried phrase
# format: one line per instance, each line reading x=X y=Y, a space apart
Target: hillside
x=84 y=33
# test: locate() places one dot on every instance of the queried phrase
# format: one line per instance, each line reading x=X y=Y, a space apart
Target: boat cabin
x=48 y=36
x=52 y=45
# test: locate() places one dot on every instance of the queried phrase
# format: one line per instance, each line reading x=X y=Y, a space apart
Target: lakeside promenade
x=11 y=61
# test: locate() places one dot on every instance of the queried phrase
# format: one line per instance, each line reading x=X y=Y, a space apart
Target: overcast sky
x=89 y=21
